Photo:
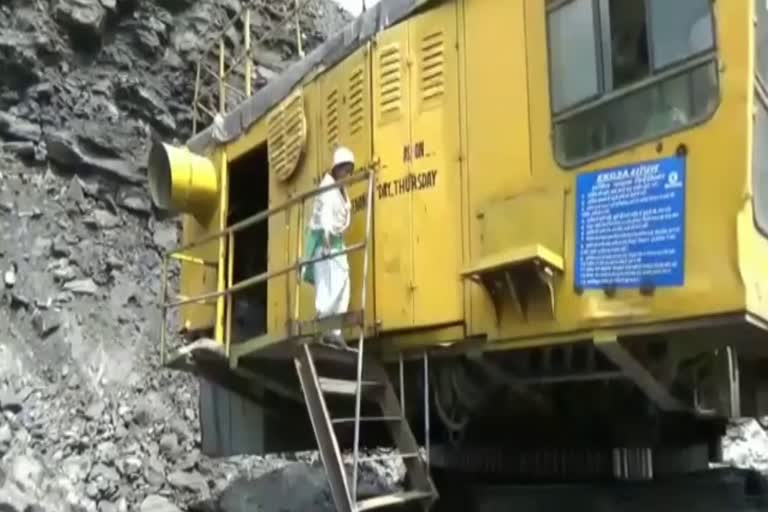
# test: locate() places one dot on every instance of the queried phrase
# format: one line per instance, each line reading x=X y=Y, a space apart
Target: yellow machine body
x=452 y=107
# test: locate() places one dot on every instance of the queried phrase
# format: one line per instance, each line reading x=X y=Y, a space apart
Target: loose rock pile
x=746 y=444
x=87 y=420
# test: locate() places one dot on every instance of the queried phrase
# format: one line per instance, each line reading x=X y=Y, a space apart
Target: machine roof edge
x=358 y=32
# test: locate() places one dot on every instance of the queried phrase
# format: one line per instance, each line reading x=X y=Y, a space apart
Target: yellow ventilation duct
x=182 y=181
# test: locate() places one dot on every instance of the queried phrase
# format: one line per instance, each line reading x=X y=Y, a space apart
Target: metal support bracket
x=609 y=345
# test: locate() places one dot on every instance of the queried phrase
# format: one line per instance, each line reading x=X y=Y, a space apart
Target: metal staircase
x=352 y=374
x=371 y=383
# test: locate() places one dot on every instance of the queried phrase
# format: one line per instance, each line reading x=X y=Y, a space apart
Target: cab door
x=435 y=179
x=393 y=205
x=346 y=121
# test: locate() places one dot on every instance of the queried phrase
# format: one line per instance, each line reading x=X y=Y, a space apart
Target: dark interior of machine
x=249 y=195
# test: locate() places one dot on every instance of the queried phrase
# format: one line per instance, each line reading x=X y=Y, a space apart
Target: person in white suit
x=331 y=215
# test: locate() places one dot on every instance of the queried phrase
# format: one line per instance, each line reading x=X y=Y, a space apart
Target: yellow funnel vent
x=182 y=181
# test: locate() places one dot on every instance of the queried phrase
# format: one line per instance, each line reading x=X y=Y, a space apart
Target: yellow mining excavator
x=558 y=249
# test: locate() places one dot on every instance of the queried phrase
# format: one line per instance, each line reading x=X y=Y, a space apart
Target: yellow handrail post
x=221 y=301
x=288 y=213
x=297 y=261
x=230 y=296
x=225 y=237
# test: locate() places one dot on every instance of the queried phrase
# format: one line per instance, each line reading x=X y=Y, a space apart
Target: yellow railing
x=231 y=287
x=217 y=91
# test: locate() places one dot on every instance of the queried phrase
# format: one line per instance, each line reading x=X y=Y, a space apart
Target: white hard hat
x=343 y=155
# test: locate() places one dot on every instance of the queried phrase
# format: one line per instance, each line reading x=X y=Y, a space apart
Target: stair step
x=319 y=326
x=367 y=419
x=346 y=387
x=324 y=353
x=390 y=500
x=391 y=456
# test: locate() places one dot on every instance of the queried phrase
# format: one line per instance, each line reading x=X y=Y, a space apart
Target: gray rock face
x=13 y=128
x=64 y=150
x=156 y=503
x=18 y=60
x=88 y=422
x=85 y=20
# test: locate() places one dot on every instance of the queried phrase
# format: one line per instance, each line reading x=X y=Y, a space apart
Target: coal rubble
x=88 y=421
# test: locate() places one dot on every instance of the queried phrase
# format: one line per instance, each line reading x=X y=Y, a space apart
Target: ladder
x=371 y=383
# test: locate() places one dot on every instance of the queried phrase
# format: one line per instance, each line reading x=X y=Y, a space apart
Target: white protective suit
x=331 y=214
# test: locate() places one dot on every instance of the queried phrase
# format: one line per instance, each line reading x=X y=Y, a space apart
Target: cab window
x=760 y=135
x=761 y=40
x=760 y=167
x=626 y=71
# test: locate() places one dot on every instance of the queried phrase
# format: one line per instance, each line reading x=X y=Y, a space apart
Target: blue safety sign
x=630 y=226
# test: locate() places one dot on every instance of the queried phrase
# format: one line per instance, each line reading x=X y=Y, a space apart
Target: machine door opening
x=249 y=195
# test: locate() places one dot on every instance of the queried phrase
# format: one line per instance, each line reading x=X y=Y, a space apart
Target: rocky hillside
x=71 y=68
x=87 y=420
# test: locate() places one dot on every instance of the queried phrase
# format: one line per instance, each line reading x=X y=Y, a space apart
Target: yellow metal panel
x=198 y=279
x=494 y=162
x=341 y=103
x=438 y=336
x=354 y=80
x=330 y=119
x=753 y=253
x=392 y=135
x=435 y=179
x=255 y=136
x=287 y=136
x=496 y=122
x=285 y=229
x=715 y=187
x=221 y=273
x=500 y=227
x=753 y=246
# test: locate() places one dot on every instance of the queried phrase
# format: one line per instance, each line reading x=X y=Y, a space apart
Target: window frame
x=761 y=102
x=605 y=96
x=553 y=6
x=761 y=82
x=761 y=99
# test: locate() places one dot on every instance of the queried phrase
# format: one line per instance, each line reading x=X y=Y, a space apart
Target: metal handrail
x=260 y=278
x=265 y=214
x=230 y=289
